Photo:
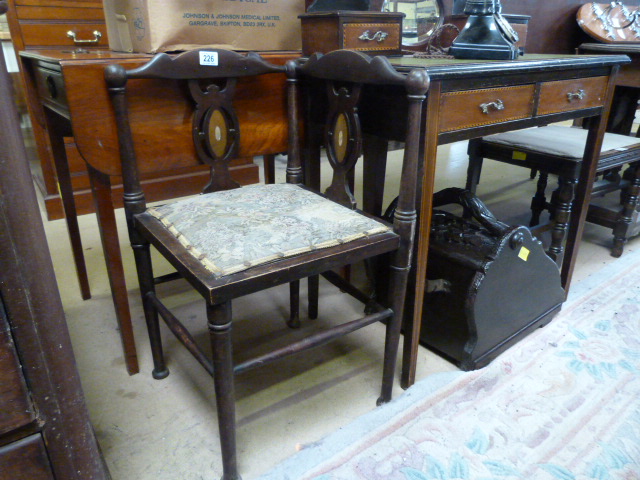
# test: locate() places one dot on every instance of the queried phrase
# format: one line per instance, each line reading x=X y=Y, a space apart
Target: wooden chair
x=557 y=150
x=230 y=241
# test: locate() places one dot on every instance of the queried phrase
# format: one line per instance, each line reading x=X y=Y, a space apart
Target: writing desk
x=74 y=102
x=471 y=98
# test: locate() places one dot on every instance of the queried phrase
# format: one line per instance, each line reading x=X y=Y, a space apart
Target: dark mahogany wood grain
x=37 y=325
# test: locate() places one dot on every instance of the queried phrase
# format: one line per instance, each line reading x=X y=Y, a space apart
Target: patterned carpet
x=562 y=404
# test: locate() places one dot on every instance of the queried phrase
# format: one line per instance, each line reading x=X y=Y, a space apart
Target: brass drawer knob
x=97 y=35
x=580 y=94
x=486 y=107
x=379 y=36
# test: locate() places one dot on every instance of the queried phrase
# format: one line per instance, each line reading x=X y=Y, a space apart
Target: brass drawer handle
x=96 y=37
x=497 y=105
x=580 y=94
x=379 y=36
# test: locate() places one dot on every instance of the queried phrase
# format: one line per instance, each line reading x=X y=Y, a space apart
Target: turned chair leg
x=219 y=324
x=561 y=215
x=399 y=278
x=144 y=268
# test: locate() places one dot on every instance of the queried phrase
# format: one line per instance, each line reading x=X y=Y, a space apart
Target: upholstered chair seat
x=233 y=230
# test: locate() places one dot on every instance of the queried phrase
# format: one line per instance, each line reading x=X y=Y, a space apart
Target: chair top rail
x=203 y=63
x=356 y=67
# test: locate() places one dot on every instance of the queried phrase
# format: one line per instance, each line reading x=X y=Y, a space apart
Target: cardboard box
x=150 y=26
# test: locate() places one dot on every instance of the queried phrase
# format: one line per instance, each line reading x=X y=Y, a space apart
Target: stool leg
x=561 y=214
x=623 y=223
x=539 y=201
x=219 y=323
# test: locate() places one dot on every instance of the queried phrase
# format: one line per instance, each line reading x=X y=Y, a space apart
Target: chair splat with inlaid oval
x=343 y=138
x=216 y=132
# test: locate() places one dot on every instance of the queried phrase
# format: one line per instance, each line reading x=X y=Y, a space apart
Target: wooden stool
x=558 y=150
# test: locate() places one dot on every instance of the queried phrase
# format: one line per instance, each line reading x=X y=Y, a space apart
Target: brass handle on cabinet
x=497 y=105
x=96 y=37
x=580 y=94
x=379 y=36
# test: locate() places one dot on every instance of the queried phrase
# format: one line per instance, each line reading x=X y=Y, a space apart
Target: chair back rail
x=345 y=71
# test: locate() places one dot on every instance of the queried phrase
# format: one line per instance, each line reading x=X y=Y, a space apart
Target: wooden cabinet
x=374 y=33
x=45 y=23
x=45 y=432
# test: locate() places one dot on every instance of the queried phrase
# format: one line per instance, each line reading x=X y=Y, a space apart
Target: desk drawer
x=50 y=85
x=474 y=108
x=372 y=37
x=87 y=35
x=568 y=95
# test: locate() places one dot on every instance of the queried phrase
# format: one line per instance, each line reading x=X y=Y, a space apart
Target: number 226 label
x=209 y=58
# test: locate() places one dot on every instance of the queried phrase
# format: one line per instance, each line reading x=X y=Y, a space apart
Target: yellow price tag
x=519 y=155
x=524 y=253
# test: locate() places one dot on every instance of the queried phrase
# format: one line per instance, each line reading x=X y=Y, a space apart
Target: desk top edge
x=443 y=68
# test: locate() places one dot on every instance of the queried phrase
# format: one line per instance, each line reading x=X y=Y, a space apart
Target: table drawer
x=87 y=35
x=50 y=85
x=474 y=108
x=372 y=37
x=568 y=95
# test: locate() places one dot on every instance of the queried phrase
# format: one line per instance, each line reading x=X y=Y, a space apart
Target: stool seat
x=558 y=150
x=566 y=142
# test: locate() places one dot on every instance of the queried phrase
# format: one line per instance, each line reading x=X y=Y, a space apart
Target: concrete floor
x=166 y=430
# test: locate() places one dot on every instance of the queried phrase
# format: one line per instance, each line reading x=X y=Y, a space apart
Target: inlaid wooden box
x=376 y=33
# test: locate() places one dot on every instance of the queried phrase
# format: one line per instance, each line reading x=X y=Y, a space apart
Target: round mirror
x=421 y=19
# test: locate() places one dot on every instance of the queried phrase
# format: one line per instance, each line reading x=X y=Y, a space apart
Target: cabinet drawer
x=25 y=459
x=31 y=12
x=567 y=95
x=50 y=85
x=372 y=37
x=474 y=108
x=16 y=410
x=87 y=35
